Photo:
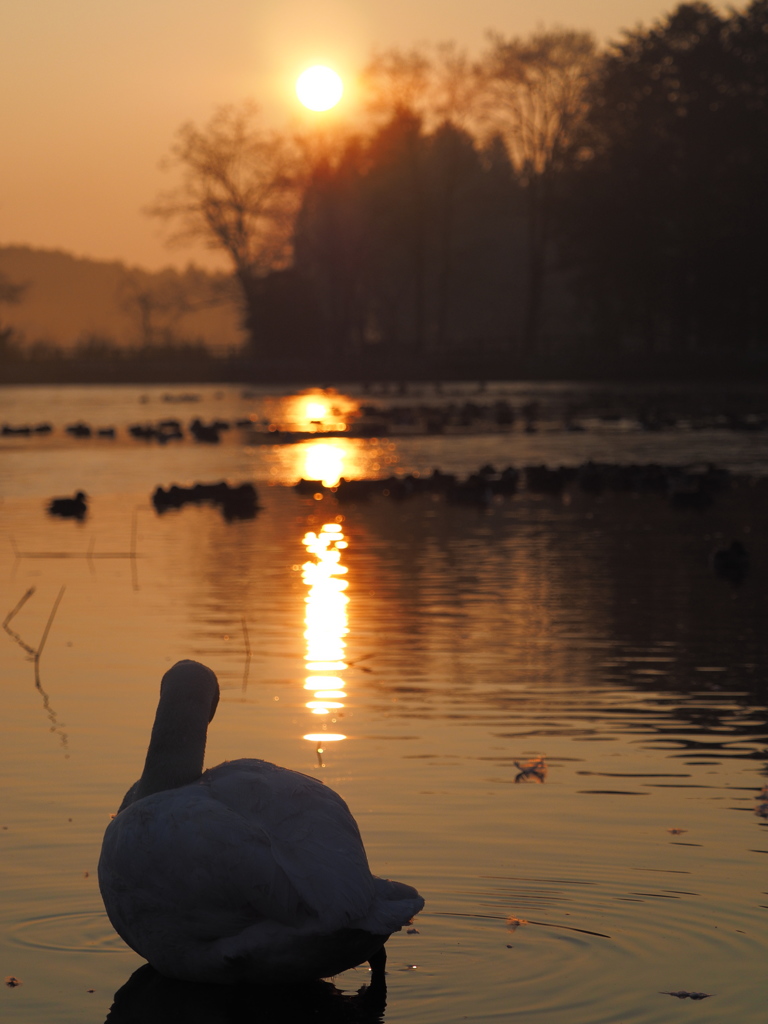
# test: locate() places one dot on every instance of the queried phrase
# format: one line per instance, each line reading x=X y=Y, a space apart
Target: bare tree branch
x=239 y=190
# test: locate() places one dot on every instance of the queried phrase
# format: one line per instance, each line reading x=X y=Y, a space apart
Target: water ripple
x=77 y=932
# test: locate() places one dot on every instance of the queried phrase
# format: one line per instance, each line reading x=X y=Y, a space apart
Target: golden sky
x=92 y=91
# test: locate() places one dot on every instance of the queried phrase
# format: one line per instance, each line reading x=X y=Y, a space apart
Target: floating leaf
x=533 y=770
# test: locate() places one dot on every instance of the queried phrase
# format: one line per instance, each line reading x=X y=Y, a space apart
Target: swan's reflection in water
x=326 y=626
x=149 y=998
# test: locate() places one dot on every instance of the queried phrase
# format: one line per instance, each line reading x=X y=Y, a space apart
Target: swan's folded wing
x=181 y=863
x=314 y=838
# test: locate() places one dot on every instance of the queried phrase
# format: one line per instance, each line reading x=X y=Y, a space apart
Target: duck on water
x=69 y=508
x=246 y=872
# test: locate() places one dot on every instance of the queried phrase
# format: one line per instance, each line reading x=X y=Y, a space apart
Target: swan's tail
x=395 y=903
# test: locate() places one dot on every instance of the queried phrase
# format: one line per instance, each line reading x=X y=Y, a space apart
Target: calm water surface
x=585 y=637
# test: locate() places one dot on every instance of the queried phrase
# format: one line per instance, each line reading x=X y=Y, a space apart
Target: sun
x=319 y=87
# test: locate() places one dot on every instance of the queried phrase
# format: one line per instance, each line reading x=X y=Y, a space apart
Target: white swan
x=244 y=873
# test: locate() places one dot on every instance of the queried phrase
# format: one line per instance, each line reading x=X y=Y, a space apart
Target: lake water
x=554 y=711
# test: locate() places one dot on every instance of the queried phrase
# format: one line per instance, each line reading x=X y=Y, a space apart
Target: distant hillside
x=68 y=299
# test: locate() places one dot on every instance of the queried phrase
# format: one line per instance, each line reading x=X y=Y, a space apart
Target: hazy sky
x=92 y=91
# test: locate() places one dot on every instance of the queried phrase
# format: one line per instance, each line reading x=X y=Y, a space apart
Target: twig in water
x=10 y=615
x=134 y=535
x=356 y=663
x=247 y=653
x=35 y=654
x=44 y=637
x=90 y=554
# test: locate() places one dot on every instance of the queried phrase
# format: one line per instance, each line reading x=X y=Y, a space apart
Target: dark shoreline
x=143 y=368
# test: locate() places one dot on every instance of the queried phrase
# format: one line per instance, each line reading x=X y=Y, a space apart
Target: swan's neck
x=177 y=746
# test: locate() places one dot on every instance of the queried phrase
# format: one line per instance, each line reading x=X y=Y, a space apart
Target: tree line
x=546 y=207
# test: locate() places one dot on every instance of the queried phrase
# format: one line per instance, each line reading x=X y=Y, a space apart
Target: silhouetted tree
x=158 y=303
x=472 y=217
x=669 y=209
x=361 y=237
x=397 y=80
x=535 y=94
x=437 y=83
x=240 y=189
x=11 y=292
x=406 y=239
x=395 y=193
x=331 y=241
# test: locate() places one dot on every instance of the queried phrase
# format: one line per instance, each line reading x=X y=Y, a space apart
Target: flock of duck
x=684 y=487
x=239 y=501
x=500 y=415
x=693 y=488
x=415 y=419
x=163 y=431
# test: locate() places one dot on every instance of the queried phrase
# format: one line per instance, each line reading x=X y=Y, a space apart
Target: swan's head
x=187 y=678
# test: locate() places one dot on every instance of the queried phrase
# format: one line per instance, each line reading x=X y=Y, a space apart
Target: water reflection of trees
x=215 y=574
x=496 y=611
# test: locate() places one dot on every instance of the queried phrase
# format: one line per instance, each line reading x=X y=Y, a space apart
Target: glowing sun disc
x=319 y=87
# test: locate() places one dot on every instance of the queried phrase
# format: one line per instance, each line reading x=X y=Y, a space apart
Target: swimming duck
x=731 y=563
x=69 y=508
x=246 y=872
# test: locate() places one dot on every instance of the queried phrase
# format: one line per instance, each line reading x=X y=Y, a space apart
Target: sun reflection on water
x=317 y=410
x=324 y=461
x=326 y=627
x=327 y=459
